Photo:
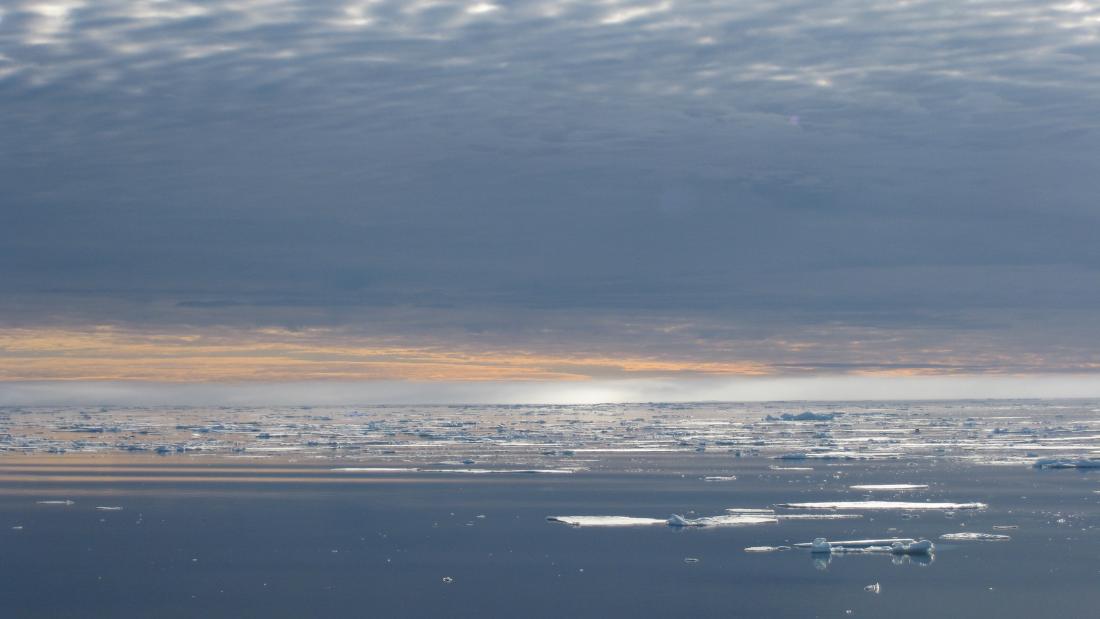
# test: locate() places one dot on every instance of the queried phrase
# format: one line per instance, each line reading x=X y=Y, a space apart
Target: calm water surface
x=233 y=538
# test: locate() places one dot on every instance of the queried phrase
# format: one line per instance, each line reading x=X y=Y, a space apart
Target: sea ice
x=374 y=469
x=1054 y=463
x=881 y=505
x=972 y=536
x=889 y=487
x=677 y=520
x=606 y=521
x=818 y=516
x=720 y=478
x=806 y=416
x=897 y=546
x=108 y=508
x=65 y=502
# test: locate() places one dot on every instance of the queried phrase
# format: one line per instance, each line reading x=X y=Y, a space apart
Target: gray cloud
x=563 y=174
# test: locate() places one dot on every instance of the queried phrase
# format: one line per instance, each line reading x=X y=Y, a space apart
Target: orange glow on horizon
x=111 y=354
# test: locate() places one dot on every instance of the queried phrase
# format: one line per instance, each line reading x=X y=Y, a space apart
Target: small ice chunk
x=1005 y=527
x=766 y=548
x=975 y=536
x=889 y=487
x=791 y=468
x=690 y=560
x=108 y=508
x=720 y=478
x=881 y=505
x=606 y=521
x=448 y=580
x=65 y=502
x=875 y=588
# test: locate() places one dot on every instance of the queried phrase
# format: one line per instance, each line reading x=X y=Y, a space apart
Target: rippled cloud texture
x=542 y=190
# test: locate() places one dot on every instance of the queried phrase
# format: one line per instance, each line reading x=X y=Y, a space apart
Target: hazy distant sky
x=279 y=190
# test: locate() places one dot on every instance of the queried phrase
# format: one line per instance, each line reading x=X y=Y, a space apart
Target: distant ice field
x=587 y=511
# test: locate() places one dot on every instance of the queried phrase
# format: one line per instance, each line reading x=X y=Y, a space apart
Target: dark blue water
x=233 y=540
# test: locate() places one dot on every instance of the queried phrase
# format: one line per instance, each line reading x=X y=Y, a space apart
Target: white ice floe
x=972 y=536
x=818 y=516
x=65 y=502
x=720 y=478
x=875 y=588
x=108 y=508
x=897 y=546
x=492 y=471
x=766 y=548
x=606 y=521
x=909 y=505
x=889 y=487
x=791 y=468
x=677 y=520
x=374 y=469
x=749 y=510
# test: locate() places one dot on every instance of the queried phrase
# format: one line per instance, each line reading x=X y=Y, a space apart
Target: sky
x=484 y=200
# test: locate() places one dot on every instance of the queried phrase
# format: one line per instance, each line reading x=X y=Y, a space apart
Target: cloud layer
x=853 y=186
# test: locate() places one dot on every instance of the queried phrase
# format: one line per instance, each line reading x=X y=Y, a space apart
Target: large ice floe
x=876 y=505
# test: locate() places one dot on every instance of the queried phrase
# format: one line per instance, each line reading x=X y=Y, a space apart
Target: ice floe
x=607 y=521
x=64 y=502
x=677 y=520
x=889 y=486
x=720 y=478
x=897 y=546
x=973 y=536
x=108 y=508
x=766 y=548
x=906 y=505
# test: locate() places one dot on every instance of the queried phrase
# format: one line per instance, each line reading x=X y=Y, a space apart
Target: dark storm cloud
x=688 y=177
